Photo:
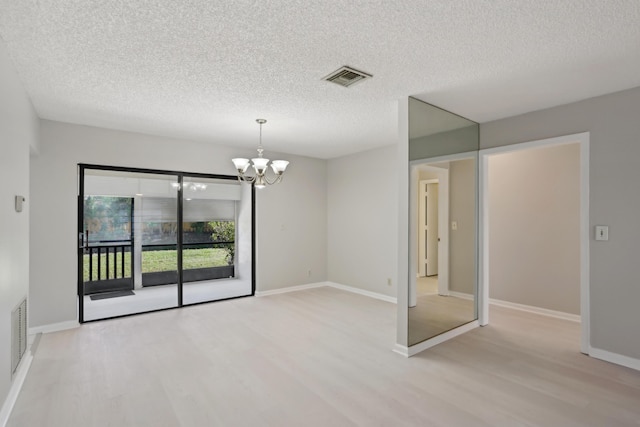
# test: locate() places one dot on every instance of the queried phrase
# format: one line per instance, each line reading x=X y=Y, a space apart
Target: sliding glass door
x=213 y=253
x=152 y=240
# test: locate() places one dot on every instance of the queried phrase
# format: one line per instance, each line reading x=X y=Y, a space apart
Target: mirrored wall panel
x=443 y=167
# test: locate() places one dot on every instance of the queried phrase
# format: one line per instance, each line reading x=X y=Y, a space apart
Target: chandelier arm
x=245 y=178
x=277 y=179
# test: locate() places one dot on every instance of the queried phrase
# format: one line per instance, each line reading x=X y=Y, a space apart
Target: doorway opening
x=535 y=229
x=433 y=229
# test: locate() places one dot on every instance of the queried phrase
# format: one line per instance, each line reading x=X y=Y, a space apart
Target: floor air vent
x=347 y=76
x=18 y=335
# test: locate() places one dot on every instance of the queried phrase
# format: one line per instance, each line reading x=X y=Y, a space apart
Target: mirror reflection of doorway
x=443 y=295
x=151 y=240
x=433 y=233
x=428 y=233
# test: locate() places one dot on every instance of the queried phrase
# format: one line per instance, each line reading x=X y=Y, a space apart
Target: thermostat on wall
x=19 y=201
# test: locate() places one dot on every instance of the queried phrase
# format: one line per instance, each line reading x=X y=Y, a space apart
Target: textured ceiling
x=206 y=69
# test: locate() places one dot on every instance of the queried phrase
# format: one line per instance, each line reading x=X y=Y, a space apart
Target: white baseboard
x=290 y=289
x=359 y=291
x=616 y=358
x=16 y=386
x=330 y=284
x=54 y=327
x=401 y=349
x=522 y=307
x=536 y=310
x=462 y=295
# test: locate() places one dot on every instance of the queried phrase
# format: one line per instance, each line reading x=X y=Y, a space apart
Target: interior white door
x=428 y=228
x=431 y=228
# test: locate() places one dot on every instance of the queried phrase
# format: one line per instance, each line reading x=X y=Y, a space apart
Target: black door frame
x=180 y=175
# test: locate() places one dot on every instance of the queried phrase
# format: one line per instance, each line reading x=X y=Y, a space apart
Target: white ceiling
x=206 y=69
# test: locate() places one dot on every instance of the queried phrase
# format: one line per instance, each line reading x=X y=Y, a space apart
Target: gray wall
x=291 y=216
x=534 y=227
x=614 y=126
x=362 y=220
x=462 y=242
x=292 y=226
x=18 y=134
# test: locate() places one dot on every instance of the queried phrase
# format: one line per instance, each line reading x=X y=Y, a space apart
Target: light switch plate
x=602 y=232
x=454 y=225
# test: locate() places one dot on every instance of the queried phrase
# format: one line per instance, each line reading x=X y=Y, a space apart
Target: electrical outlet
x=389 y=281
x=309 y=273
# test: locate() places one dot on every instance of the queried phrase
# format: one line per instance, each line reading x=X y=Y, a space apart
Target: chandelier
x=260 y=165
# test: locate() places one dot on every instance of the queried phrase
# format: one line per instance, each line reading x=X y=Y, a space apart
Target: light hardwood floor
x=426 y=285
x=319 y=357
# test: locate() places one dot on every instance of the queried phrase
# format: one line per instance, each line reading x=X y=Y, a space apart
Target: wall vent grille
x=18 y=335
x=347 y=76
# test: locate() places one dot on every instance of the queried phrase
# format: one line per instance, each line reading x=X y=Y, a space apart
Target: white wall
x=612 y=121
x=462 y=210
x=534 y=227
x=291 y=216
x=18 y=133
x=423 y=175
x=362 y=220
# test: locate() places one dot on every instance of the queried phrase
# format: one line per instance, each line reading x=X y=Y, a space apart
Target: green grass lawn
x=153 y=261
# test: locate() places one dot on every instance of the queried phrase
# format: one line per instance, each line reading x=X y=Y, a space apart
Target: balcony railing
x=110 y=250
x=109 y=269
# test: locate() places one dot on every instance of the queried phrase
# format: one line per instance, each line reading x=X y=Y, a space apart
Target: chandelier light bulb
x=279 y=166
x=241 y=164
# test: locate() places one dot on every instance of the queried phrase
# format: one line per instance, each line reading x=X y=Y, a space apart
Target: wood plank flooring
x=319 y=357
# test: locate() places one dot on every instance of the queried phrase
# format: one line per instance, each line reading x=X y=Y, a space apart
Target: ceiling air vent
x=346 y=76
